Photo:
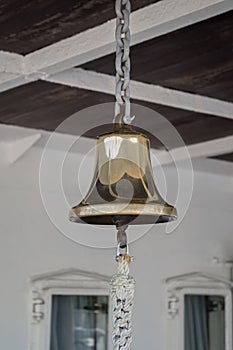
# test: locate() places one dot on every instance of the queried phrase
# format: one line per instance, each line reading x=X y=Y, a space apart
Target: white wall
x=30 y=244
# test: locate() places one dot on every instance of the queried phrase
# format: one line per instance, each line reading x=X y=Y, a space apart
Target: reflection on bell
x=123 y=190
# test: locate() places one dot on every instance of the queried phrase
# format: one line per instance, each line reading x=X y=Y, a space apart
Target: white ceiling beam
x=11 y=63
x=146 y=23
x=205 y=149
x=15 y=141
x=11 y=70
x=94 y=81
x=9 y=81
x=213 y=166
x=12 y=150
x=14 y=72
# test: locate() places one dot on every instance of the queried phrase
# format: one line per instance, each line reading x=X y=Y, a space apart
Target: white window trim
x=63 y=282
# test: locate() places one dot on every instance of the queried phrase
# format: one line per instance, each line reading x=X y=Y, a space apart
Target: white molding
x=146 y=23
x=65 y=274
x=94 y=81
x=74 y=278
x=197 y=279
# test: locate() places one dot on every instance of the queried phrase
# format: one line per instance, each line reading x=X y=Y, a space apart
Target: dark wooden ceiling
x=44 y=105
x=28 y=25
x=196 y=59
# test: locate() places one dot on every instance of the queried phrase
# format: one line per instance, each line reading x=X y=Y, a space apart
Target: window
x=79 y=322
x=198 y=312
x=204 y=322
x=70 y=311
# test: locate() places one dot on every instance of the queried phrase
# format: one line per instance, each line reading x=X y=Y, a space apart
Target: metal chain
x=122 y=295
x=122 y=62
x=121 y=231
x=122 y=285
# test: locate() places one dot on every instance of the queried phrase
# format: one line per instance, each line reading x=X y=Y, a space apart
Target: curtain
x=62 y=323
x=196 y=323
x=217 y=330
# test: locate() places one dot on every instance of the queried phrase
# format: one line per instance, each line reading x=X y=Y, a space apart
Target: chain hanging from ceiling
x=122 y=61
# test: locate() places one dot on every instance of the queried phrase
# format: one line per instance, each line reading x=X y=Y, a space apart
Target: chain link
x=122 y=61
x=122 y=236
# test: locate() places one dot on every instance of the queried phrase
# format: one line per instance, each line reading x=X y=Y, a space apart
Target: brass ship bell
x=123 y=190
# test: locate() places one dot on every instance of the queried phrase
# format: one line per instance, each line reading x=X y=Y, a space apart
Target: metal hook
x=119 y=250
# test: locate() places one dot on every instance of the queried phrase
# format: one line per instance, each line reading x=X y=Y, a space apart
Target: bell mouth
x=132 y=213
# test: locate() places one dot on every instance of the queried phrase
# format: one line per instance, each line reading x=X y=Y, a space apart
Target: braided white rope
x=122 y=61
x=122 y=295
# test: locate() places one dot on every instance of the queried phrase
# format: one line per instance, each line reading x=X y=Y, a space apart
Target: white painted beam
x=14 y=72
x=94 y=81
x=9 y=81
x=18 y=148
x=11 y=70
x=15 y=142
x=205 y=149
x=146 y=23
x=213 y=166
x=11 y=63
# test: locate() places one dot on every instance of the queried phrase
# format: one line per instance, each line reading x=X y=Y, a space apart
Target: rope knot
x=125 y=257
x=122 y=295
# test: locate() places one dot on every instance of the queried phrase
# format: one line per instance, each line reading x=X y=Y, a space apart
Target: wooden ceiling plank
x=84 y=79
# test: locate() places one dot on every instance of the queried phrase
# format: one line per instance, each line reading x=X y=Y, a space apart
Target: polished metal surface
x=123 y=190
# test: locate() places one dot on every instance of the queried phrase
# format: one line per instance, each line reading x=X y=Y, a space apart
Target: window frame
x=197 y=283
x=227 y=294
x=43 y=289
